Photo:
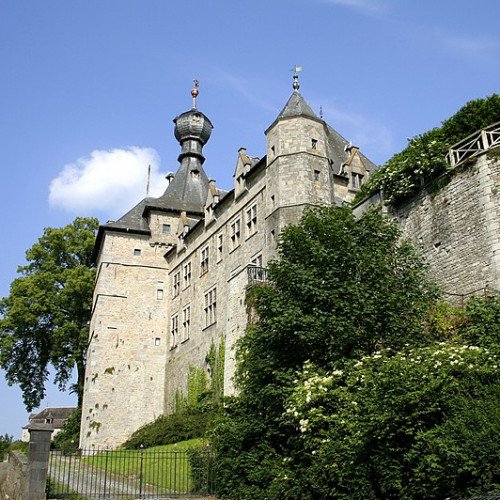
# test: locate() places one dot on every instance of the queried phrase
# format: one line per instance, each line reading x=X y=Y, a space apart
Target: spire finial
x=296 y=84
x=195 y=92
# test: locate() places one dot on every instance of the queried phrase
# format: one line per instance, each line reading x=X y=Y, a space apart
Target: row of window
x=234 y=242
x=181 y=333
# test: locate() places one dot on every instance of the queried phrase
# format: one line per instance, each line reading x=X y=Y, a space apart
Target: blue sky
x=88 y=91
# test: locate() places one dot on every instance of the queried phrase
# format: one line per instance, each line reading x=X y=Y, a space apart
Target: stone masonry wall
x=458 y=228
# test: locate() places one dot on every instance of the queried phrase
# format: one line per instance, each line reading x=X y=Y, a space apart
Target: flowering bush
x=419 y=423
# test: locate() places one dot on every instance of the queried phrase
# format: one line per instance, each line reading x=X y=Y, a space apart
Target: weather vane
x=296 y=84
x=195 y=92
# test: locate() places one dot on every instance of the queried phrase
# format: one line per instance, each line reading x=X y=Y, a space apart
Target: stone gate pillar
x=38 y=460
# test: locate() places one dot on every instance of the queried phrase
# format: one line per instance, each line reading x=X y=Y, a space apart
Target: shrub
x=201 y=461
x=168 y=429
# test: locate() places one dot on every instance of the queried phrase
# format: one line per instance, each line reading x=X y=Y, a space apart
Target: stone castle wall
x=458 y=229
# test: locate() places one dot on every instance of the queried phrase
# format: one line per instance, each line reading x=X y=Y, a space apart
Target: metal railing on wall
x=257 y=274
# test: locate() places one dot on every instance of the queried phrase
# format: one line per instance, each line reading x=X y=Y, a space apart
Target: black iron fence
x=131 y=474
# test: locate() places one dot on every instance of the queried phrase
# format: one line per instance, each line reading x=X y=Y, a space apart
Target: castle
x=172 y=272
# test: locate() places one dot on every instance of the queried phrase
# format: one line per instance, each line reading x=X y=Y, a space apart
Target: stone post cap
x=40 y=427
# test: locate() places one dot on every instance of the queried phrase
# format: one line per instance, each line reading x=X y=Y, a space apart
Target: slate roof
x=57 y=416
x=133 y=220
x=297 y=106
x=337 y=145
x=186 y=191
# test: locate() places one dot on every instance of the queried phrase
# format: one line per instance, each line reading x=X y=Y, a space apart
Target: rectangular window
x=137 y=251
x=187 y=274
x=210 y=307
x=166 y=228
x=220 y=246
x=356 y=180
x=186 y=323
x=316 y=175
x=235 y=232
x=251 y=221
x=257 y=261
x=204 y=260
x=174 y=331
x=314 y=143
x=159 y=290
x=176 y=284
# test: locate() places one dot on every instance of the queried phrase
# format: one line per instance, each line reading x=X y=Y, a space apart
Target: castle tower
x=308 y=164
x=129 y=335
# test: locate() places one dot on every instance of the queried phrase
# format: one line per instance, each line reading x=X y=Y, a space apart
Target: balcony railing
x=474 y=145
x=256 y=274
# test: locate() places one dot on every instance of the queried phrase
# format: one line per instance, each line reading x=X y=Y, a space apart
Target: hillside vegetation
x=424 y=158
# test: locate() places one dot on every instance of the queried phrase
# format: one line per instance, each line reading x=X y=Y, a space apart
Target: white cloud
x=110 y=181
x=364 y=6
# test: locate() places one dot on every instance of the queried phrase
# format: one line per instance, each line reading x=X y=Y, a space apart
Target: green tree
x=341 y=289
x=5 y=442
x=44 y=320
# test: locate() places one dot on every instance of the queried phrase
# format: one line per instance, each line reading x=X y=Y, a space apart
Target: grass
x=165 y=467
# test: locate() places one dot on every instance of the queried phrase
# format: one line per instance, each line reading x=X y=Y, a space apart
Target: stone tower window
x=186 y=323
x=317 y=174
x=220 y=246
x=174 y=331
x=176 y=284
x=251 y=221
x=235 y=233
x=159 y=290
x=137 y=251
x=187 y=274
x=210 y=307
x=314 y=143
x=204 y=260
x=166 y=228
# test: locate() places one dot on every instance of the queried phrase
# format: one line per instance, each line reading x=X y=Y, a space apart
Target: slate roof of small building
x=57 y=416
